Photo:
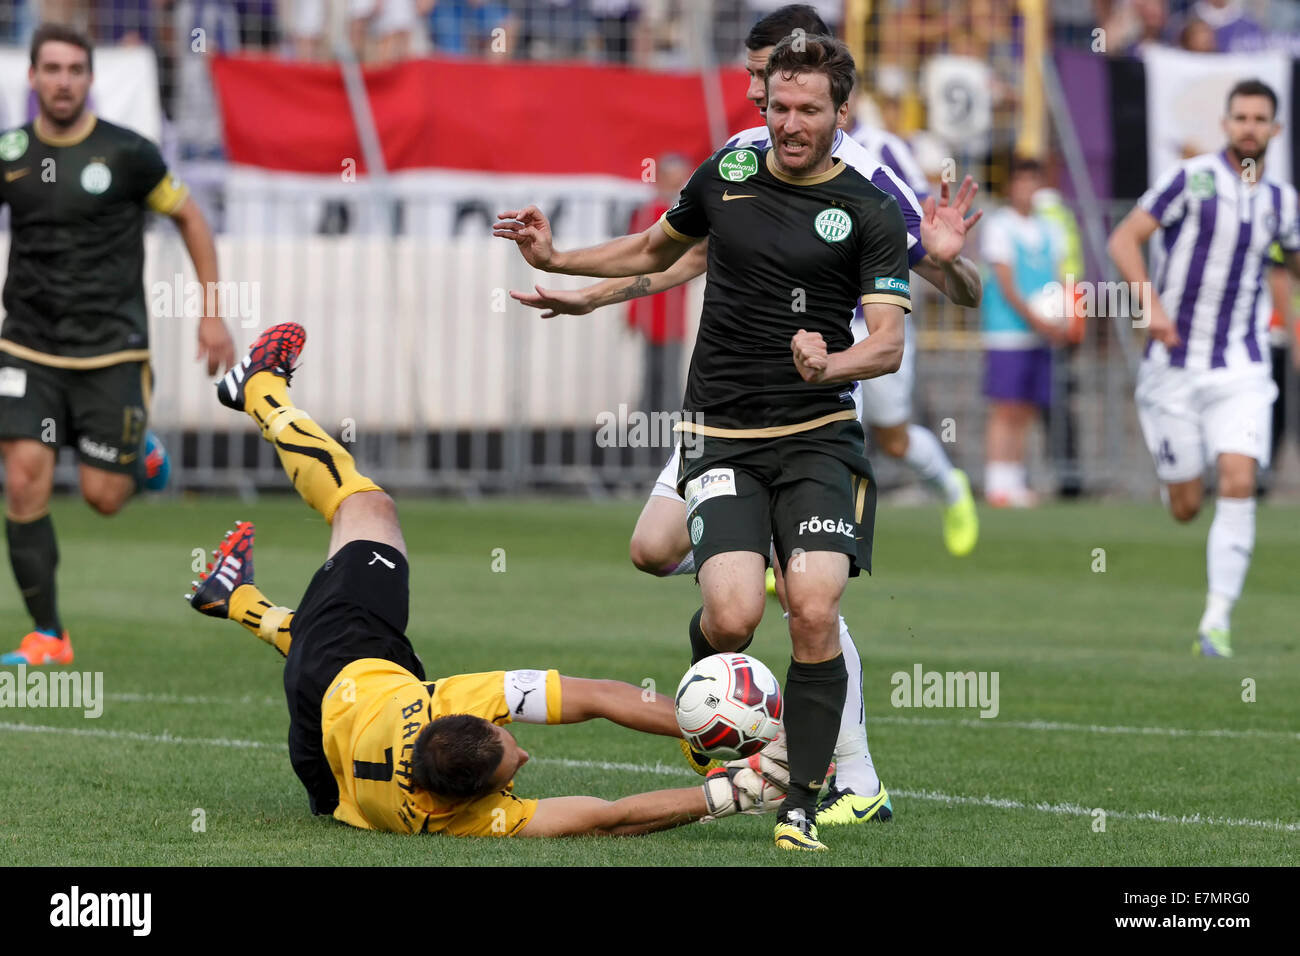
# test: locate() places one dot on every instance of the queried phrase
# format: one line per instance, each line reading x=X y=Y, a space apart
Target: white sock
x=927 y=458
x=1218 y=612
x=853 y=767
x=687 y=565
x=1019 y=478
x=1227 y=557
x=1000 y=477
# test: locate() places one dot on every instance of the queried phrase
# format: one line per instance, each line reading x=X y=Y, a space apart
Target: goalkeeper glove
x=741 y=787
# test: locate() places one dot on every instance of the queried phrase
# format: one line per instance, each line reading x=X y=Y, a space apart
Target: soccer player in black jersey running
x=74 y=350
x=796 y=238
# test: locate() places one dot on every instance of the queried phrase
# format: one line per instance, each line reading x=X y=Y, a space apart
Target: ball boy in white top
x=1205 y=389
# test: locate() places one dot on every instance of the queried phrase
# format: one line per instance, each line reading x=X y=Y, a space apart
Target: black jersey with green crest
x=74 y=291
x=785 y=253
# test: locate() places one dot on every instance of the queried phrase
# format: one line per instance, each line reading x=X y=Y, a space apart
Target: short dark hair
x=1253 y=88
x=814 y=54
x=456 y=757
x=62 y=33
x=782 y=22
x=1024 y=164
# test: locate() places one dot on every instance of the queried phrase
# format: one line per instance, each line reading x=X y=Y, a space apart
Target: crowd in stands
x=641 y=32
x=635 y=32
x=1201 y=26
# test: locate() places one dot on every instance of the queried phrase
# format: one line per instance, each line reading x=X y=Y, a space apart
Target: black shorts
x=810 y=491
x=355 y=607
x=102 y=412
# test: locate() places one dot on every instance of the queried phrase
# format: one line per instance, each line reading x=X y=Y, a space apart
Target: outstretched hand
x=554 y=301
x=944 y=226
x=216 y=347
x=530 y=231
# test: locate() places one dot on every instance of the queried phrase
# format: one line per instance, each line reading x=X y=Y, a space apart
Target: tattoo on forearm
x=639 y=287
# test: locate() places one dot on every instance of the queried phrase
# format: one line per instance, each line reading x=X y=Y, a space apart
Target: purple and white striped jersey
x=1212 y=256
x=848 y=149
x=893 y=152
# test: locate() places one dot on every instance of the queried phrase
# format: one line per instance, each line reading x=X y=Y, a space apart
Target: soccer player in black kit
x=796 y=239
x=74 y=348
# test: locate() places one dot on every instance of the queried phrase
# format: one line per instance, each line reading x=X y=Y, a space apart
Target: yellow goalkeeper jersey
x=373 y=712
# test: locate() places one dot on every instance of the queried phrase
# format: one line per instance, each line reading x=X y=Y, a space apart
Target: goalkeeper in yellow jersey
x=375 y=742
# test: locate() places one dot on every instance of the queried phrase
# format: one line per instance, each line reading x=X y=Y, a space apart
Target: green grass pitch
x=1102 y=705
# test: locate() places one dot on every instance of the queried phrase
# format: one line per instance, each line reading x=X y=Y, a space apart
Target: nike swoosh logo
x=210 y=605
x=867 y=812
x=12 y=174
x=727 y=197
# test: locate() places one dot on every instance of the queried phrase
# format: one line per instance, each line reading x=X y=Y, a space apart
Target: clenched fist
x=810 y=356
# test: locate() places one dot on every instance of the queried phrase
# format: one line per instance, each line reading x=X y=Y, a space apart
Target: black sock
x=34 y=554
x=141 y=473
x=700 y=646
x=814 y=698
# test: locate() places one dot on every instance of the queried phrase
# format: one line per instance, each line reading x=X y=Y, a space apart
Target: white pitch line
x=1073 y=809
x=163 y=738
x=657 y=768
x=1053 y=725
x=978 y=723
x=187 y=699
x=933 y=796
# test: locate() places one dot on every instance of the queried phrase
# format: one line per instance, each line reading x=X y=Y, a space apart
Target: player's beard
x=818 y=148
x=63 y=112
x=1254 y=152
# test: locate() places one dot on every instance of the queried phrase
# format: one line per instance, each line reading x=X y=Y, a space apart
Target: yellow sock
x=320 y=468
x=254 y=612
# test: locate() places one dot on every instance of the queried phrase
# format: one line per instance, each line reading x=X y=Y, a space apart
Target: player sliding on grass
x=374 y=741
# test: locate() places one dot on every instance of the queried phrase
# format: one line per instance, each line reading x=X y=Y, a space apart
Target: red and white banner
x=567 y=119
x=461 y=140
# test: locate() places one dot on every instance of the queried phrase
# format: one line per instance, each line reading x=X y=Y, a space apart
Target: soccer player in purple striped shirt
x=1205 y=389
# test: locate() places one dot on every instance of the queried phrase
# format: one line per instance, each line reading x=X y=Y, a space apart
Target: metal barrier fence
x=440 y=383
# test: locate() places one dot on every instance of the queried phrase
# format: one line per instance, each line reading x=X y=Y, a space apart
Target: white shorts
x=666 y=483
x=887 y=400
x=1190 y=417
x=391 y=16
x=307 y=18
